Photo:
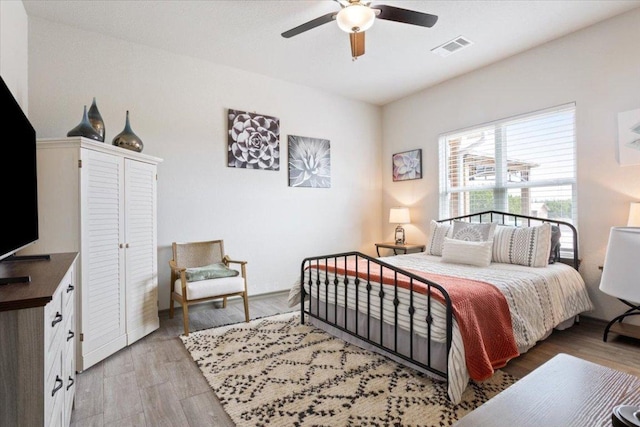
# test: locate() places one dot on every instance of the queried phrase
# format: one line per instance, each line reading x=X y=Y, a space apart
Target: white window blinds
x=523 y=165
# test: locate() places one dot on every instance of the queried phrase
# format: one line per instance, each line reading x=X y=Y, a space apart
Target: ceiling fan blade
x=309 y=25
x=392 y=13
x=357 y=44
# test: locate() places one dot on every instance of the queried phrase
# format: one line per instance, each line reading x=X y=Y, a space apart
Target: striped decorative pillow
x=437 y=234
x=528 y=246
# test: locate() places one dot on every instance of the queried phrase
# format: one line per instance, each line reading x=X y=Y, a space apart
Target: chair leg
x=246 y=307
x=171 y=306
x=224 y=302
x=185 y=317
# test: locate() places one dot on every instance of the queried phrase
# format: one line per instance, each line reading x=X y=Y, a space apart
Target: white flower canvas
x=309 y=162
x=629 y=137
x=407 y=165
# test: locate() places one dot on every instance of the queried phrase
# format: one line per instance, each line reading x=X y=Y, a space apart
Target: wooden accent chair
x=199 y=272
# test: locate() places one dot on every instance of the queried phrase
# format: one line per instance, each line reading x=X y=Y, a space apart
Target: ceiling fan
x=357 y=16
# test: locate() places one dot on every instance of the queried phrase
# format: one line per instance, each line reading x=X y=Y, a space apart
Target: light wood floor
x=154 y=382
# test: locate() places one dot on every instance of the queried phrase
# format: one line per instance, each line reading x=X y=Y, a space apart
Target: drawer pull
x=58 y=387
x=71 y=335
x=58 y=319
x=71 y=381
x=70 y=288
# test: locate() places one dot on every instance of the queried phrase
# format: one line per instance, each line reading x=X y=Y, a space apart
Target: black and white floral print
x=254 y=141
x=309 y=162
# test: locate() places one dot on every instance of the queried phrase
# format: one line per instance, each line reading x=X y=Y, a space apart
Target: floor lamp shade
x=621 y=271
x=634 y=215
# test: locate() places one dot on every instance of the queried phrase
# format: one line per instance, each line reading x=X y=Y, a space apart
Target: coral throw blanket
x=480 y=309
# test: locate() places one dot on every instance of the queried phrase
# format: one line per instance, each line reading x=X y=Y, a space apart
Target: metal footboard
x=328 y=275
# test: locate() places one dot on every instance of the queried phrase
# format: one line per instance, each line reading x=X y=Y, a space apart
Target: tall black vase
x=127 y=139
x=96 y=120
x=84 y=128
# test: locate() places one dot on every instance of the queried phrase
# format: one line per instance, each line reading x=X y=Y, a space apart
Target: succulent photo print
x=309 y=162
x=254 y=141
x=407 y=165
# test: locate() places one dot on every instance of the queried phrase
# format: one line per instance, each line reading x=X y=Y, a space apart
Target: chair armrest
x=228 y=260
x=175 y=267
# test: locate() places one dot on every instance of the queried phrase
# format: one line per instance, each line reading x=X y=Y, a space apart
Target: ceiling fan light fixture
x=355 y=18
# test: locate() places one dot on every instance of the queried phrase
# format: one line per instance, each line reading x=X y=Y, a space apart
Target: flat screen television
x=18 y=180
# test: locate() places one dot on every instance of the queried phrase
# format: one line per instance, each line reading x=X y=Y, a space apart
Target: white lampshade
x=634 y=215
x=355 y=18
x=621 y=271
x=399 y=216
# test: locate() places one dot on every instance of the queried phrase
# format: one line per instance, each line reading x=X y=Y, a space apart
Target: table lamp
x=399 y=216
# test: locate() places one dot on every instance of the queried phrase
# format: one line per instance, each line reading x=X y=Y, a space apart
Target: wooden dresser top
x=45 y=275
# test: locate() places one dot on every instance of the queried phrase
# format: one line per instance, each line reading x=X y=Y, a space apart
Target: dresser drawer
x=54 y=388
x=68 y=286
x=54 y=323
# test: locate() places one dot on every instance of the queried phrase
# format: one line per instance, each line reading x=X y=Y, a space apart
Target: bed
x=448 y=312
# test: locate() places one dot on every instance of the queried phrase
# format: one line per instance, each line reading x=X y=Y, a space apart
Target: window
x=522 y=165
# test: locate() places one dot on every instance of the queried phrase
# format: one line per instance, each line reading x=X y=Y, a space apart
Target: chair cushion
x=212 y=287
x=211 y=271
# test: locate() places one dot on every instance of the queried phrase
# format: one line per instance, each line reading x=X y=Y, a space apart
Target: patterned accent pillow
x=473 y=231
x=467 y=252
x=212 y=271
x=437 y=234
x=554 y=255
x=528 y=246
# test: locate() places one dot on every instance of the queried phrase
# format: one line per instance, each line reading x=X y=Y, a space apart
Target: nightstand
x=406 y=248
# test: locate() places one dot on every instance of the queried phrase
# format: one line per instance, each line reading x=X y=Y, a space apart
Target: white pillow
x=438 y=232
x=466 y=252
x=473 y=231
x=528 y=246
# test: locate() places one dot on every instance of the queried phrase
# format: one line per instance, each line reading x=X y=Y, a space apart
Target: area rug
x=276 y=372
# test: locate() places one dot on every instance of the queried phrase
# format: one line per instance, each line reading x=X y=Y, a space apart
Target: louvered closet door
x=141 y=250
x=102 y=260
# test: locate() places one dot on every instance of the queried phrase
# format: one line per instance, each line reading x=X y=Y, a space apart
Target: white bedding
x=539 y=300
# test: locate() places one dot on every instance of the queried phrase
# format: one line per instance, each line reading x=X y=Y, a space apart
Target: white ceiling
x=398 y=59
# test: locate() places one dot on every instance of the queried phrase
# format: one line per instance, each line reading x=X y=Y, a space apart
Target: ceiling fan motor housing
x=355 y=18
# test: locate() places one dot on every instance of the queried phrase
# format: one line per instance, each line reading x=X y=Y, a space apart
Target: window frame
x=502 y=186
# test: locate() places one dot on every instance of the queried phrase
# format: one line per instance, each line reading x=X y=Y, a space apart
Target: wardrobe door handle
x=56 y=388
x=58 y=319
x=71 y=382
x=70 y=335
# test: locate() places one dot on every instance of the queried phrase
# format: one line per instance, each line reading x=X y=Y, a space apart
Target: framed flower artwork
x=309 y=162
x=407 y=165
x=253 y=141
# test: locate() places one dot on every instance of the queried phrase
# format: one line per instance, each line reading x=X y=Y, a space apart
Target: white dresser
x=37 y=342
x=100 y=201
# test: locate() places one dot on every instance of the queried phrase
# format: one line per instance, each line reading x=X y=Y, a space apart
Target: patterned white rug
x=276 y=372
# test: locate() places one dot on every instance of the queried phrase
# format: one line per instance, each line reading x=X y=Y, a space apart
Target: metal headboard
x=505 y=218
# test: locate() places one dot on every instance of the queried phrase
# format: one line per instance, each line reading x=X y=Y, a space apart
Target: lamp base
x=633 y=311
x=399 y=235
x=625 y=416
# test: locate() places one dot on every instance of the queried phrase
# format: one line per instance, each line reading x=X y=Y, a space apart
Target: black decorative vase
x=84 y=128
x=127 y=139
x=96 y=119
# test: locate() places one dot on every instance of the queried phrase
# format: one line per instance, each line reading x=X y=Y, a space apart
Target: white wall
x=598 y=68
x=13 y=50
x=178 y=108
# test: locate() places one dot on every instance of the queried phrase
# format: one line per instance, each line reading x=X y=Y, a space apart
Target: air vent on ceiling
x=452 y=46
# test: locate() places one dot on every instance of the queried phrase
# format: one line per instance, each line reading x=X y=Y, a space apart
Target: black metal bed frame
x=310 y=275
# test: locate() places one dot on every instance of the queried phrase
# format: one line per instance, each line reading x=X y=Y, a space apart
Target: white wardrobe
x=100 y=201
